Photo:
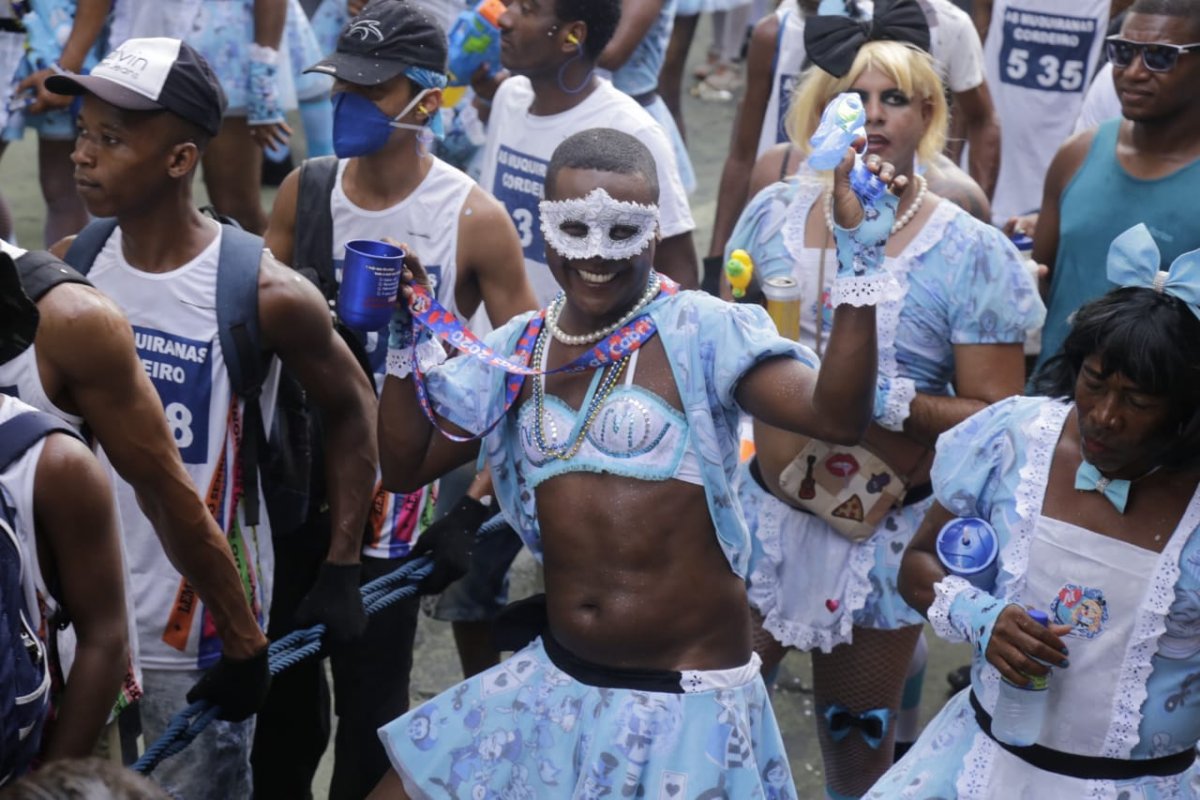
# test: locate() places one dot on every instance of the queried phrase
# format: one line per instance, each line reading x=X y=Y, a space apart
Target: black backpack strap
x=24 y=431
x=41 y=271
x=241 y=344
x=313 y=238
x=88 y=244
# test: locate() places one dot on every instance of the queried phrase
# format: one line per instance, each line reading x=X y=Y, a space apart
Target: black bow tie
x=833 y=41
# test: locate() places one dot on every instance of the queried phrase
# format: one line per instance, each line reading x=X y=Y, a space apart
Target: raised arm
x=89 y=346
x=411 y=451
x=76 y=524
x=491 y=263
x=636 y=18
x=837 y=403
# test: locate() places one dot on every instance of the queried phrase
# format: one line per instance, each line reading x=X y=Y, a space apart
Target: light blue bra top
x=636 y=434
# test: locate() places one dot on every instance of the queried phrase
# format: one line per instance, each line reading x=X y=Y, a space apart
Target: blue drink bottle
x=842 y=122
x=474 y=40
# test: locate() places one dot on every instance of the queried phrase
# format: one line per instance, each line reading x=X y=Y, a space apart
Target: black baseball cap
x=153 y=75
x=384 y=40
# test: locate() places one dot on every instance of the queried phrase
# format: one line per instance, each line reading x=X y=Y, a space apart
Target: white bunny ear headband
x=1134 y=258
x=598 y=226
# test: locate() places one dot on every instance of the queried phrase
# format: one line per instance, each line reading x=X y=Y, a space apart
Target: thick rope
x=284 y=653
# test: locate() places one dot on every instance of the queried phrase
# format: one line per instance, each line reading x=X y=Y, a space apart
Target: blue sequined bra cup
x=635 y=434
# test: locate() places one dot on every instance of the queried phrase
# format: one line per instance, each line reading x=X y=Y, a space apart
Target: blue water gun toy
x=843 y=121
x=474 y=41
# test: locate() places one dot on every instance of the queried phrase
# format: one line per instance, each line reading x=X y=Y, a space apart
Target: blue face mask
x=361 y=128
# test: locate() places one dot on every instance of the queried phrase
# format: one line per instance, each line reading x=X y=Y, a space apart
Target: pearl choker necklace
x=901 y=221
x=552 y=315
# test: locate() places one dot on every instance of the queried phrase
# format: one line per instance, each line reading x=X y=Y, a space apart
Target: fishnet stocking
x=867 y=674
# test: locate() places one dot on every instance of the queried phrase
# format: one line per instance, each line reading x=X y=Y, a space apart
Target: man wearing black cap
x=388 y=70
x=147 y=113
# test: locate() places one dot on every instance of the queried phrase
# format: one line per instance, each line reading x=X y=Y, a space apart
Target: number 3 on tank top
x=1044 y=51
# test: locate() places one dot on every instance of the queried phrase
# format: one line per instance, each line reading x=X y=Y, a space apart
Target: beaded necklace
x=608 y=382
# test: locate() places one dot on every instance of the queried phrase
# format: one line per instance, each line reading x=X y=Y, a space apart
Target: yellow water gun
x=739 y=269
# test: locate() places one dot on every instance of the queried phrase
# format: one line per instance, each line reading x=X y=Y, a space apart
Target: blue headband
x=429 y=79
x=1134 y=259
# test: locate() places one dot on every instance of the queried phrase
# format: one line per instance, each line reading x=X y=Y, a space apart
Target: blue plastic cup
x=370 y=284
x=968 y=548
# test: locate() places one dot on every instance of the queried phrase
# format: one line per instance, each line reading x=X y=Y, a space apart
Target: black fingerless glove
x=335 y=602
x=237 y=686
x=449 y=542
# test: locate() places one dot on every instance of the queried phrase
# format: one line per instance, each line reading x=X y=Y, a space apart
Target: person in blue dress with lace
x=950 y=342
x=1094 y=494
x=640 y=679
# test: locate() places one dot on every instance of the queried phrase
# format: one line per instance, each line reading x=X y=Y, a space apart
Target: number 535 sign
x=1049 y=52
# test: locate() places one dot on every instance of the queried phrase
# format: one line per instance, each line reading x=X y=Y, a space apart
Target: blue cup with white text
x=370 y=284
x=968 y=547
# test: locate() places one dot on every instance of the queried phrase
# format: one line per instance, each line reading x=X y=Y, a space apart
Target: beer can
x=783 y=304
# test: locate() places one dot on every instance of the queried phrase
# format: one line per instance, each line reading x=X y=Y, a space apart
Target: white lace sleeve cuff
x=945 y=592
x=895 y=403
x=428 y=354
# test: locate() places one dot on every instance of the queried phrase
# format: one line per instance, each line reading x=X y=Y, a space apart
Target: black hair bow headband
x=833 y=41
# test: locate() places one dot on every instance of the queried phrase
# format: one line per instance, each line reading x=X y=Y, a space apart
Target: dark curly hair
x=604 y=150
x=1148 y=337
x=600 y=16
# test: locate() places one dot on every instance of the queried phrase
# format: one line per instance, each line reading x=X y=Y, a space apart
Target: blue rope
x=297 y=646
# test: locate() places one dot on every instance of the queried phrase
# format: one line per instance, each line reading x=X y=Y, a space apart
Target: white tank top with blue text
x=427 y=221
x=174 y=322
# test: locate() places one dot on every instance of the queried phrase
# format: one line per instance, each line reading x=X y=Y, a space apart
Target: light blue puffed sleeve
x=993 y=298
x=745 y=337
x=468 y=392
x=973 y=459
x=759 y=231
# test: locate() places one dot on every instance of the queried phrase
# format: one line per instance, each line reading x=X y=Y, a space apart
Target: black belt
x=913 y=496
x=1094 y=768
x=646 y=99
x=590 y=674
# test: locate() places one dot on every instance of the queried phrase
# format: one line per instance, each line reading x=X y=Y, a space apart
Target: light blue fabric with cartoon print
x=710 y=345
x=48 y=24
x=995 y=465
x=963 y=283
x=525 y=729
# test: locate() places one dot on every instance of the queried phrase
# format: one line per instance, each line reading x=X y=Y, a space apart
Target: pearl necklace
x=552 y=315
x=901 y=221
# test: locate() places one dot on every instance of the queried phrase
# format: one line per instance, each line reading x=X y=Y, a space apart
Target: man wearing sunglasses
x=1144 y=167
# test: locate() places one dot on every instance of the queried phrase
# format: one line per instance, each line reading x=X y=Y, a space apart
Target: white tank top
x=16 y=491
x=1040 y=56
x=789 y=60
x=175 y=331
x=427 y=220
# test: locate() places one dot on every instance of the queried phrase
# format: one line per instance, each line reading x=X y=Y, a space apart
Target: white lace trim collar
x=887 y=321
x=1148 y=627
x=1042 y=434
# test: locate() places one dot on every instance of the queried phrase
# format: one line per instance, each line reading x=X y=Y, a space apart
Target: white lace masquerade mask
x=598 y=226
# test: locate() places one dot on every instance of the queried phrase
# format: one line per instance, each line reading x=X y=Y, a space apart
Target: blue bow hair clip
x=873 y=724
x=1134 y=258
